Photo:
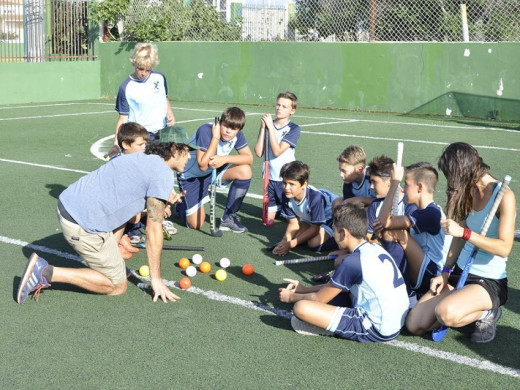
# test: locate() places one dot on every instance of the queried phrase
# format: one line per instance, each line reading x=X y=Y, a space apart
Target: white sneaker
x=306 y=329
x=168 y=225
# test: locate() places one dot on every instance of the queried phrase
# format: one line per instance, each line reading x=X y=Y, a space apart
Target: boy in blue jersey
x=283 y=136
x=216 y=142
x=368 y=276
x=143 y=96
x=307 y=209
x=353 y=172
x=425 y=245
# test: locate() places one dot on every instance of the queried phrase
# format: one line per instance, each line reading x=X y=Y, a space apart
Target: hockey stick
x=212 y=195
x=174 y=247
x=265 y=202
x=439 y=333
x=305 y=260
x=399 y=163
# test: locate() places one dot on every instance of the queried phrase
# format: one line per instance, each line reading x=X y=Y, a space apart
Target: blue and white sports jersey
x=377 y=286
x=374 y=209
x=362 y=189
x=315 y=208
x=427 y=232
x=485 y=264
x=144 y=101
x=202 y=138
x=290 y=133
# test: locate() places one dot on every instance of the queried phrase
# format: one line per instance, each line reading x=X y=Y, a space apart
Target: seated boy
x=425 y=245
x=282 y=136
x=353 y=172
x=368 y=276
x=216 y=141
x=307 y=209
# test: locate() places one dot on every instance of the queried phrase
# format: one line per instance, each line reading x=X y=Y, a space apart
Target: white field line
x=55 y=116
x=217 y=112
x=216 y=296
x=404 y=140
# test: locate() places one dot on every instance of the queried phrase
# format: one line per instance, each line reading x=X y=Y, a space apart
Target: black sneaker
x=232 y=224
x=486 y=328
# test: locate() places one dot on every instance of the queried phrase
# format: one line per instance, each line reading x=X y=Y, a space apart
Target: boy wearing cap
x=94 y=210
x=216 y=142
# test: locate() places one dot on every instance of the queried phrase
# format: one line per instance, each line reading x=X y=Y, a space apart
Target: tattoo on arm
x=155 y=208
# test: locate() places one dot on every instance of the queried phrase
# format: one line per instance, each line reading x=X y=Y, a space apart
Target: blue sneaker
x=232 y=223
x=32 y=279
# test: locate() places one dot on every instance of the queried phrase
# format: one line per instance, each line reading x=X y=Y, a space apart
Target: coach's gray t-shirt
x=111 y=195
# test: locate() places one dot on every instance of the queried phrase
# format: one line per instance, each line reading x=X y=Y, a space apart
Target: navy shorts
x=496 y=288
x=352 y=324
x=275 y=192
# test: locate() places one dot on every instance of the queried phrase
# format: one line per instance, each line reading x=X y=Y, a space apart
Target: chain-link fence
x=43 y=30
x=36 y=30
x=314 y=20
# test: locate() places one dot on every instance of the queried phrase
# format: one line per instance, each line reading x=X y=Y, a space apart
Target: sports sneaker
x=137 y=239
x=32 y=279
x=306 y=329
x=232 y=224
x=486 y=328
x=168 y=225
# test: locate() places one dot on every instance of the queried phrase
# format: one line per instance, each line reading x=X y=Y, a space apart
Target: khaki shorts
x=99 y=250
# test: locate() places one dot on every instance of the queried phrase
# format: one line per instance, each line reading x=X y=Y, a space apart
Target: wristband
x=467 y=234
x=446 y=270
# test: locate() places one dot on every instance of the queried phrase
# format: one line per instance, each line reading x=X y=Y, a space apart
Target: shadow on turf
x=276 y=322
x=55 y=189
x=55 y=242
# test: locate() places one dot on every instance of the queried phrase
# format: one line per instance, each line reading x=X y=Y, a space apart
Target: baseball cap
x=176 y=134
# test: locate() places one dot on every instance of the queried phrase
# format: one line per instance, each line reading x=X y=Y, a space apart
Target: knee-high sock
x=236 y=195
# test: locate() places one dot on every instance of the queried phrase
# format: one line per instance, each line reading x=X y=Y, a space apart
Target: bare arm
x=203 y=157
x=154 y=243
x=500 y=246
x=260 y=141
x=313 y=293
x=170 y=118
x=244 y=157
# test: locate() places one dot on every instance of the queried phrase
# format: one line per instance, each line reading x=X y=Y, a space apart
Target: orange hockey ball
x=248 y=269
x=185 y=283
x=184 y=263
x=205 y=267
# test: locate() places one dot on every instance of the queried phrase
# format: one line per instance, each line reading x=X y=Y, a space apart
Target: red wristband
x=466 y=235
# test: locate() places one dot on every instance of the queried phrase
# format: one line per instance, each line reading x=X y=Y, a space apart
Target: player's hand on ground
x=282 y=248
x=452 y=228
x=160 y=290
x=113 y=151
